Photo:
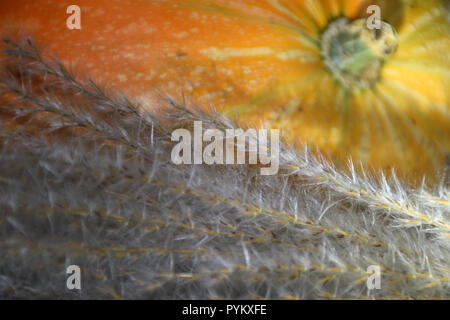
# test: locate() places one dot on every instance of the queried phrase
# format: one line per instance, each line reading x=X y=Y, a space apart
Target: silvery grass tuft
x=86 y=179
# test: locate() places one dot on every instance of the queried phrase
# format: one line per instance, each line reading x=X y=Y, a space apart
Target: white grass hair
x=103 y=194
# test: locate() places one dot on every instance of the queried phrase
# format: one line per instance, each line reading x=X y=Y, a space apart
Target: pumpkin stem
x=354 y=54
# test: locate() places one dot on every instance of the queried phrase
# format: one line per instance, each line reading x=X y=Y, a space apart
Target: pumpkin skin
x=260 y=61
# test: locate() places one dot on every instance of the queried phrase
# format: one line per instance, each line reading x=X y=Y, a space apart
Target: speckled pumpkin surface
x=311 y=68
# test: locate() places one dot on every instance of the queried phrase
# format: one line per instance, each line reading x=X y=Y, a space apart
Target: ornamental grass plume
x=319 y=70
x=86 y=179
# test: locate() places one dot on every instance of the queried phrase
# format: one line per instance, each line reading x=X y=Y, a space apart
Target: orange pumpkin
x=275 y=62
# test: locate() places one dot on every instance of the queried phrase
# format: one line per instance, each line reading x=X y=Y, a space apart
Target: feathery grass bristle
x=86 y=179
